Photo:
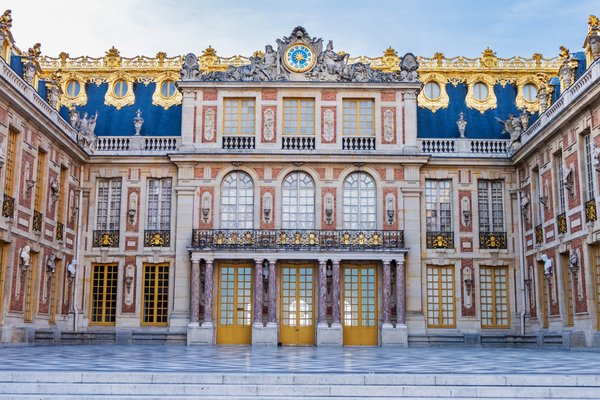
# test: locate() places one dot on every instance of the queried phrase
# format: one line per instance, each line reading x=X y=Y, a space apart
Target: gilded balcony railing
x=539 y=234
x=590 y=211
x=561 y=223
x=290 y=239
x=492 y=240
x=105 y=238
x=38 y=217
x=157 y=238
x=8 y=207
x=60 y=232
x=439 y=240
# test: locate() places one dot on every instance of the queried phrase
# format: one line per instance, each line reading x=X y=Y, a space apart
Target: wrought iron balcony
x=561 y=223
x=105 y=238
x=590 y=211
x=60 y=232
x=539 y=234
x=492 y=240
x=38 y=217
x=300 y=239
x=439 y=240
x=358 y=143
x=8 y=207
x=154 y=238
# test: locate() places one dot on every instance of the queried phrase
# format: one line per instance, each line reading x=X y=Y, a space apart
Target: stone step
x=40 y=384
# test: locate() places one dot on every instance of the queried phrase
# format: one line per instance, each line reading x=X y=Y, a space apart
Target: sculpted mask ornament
x=269 y=124
x=408 y=68
x=328 y=125
x=190 y=70
x=209 y=124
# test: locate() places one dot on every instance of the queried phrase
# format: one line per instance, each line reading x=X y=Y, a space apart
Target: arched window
x=298 y=211
x=237 y=201
x=359 y=201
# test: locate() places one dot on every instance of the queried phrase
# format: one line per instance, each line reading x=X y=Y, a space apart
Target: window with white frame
x=298 y=208
x=237 y=201
x=159 y=204
x=438 y=205
x=109 y=204
x=490 y=200
x=359 y=201
x=589 y=167
x=560 y=179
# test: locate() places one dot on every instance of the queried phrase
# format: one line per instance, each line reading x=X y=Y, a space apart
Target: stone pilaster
x=329 y=335
x=400 y=292
x=387 y=291
x=322 y=320
x=208 y=291
x=336 y=298
x=201 y=334
x=396 y=335
x=264 y=335
x=272 y=293
x=195 y=292
x=258 y=292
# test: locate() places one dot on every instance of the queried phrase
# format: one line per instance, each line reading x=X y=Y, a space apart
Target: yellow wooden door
x=297 y=300
x=359 y=305
x=234 y=322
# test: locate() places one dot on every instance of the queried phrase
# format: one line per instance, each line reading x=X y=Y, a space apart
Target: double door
x=234 y=323
x=297 y=320
x=359 y=305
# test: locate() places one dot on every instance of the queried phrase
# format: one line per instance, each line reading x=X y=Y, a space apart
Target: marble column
x=208 y=290
x=400 y=292
x=336 y=297
x=258 y=291
x=322 y=292
x=387 y=291
x=272 y=292
x=195 y=292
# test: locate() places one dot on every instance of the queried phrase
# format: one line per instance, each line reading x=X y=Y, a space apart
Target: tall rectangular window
x=439 y=205
x=537 y=182
x=299 y=117
x=494 y=297
x=359 y=118
x=156 y=294
x=239 y=117
x=440 y=297
x=490 y=200
x=589 y=168
x=40 y=181
x=560 y=179
x=9 y=165
x=104 y=294
x=159 y=204
x=62 y=194
x=109 y=204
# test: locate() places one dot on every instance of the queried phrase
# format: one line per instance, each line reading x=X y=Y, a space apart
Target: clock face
x=299 y=58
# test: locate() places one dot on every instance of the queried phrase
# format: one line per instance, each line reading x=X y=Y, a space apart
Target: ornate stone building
x=299 y=196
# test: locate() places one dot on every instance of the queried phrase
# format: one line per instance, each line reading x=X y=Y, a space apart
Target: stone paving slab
x=298 y=360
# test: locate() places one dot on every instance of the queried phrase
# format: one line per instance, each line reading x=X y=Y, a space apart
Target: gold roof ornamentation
x=6 y=21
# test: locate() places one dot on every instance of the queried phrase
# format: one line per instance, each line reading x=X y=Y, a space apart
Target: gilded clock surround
x=298 y=51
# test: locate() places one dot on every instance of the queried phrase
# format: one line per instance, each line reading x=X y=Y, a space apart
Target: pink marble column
x=258 y=291
x=387 y=291
x=400 y=292
x=195 y=292
x=272 y=292
x=322 y=292
x=208 y=291
x=336 y=298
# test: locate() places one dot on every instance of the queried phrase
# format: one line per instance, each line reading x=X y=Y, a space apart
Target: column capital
x=336 y=261
x=400 y=259
x=208 y=260
x=272 y=261
x=258 y=261
x=322 y=262
x=387 y=261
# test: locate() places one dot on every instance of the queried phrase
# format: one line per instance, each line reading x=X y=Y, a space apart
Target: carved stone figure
x=209 y=124
x=190 y=68
x=525 y=206
x=568 y=178
x=138 y=121
x=73 y=116
x=85 y=126
x=334 y=63
x=2 y=154
x=566 y=74
x=408 y=68
x=53 y=93
x=543 y=97
x=595 y=150
x=269 y=124
x=72 y=269
x=524 y=118
x=267 y=66
x=25 y=257
x=50 y=263
x=328 y=125
x=388 y=125
x=547 y=264
x=573 y=261
x=514 y=128
x=594 y=41
x=54 y=188
x=461 y=123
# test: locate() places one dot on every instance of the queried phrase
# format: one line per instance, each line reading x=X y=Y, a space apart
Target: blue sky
x=83 y=27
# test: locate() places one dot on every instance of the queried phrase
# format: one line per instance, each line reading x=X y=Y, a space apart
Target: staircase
x=307 y=386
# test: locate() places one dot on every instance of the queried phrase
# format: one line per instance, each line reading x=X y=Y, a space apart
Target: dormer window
x=480 y=91
x=73 y=89
x=120 y=88
x=530 y=92
x=168 y=89
x=432 y=91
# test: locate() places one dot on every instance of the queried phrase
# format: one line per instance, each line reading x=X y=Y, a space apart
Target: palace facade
x=300 y=196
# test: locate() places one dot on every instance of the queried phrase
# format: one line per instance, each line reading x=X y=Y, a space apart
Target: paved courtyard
x=246 y=359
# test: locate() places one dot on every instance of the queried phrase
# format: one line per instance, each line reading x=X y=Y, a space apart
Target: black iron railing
x=590 y=211
x=439 y=240
x=492 y=240
x=38 y=217
x=298 y=143
x=105 y=238
x=156 y=238
x=60 y=232
x=539 y=234
x=313 y=239
x=238 y=142
x=358 y=143
x=561 y=223
x=8 y=207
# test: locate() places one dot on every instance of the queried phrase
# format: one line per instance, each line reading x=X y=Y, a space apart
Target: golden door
x=234 y=321
x=297 y=300
x=359 y=305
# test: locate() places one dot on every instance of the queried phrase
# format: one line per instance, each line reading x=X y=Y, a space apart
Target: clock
x=299 y=58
